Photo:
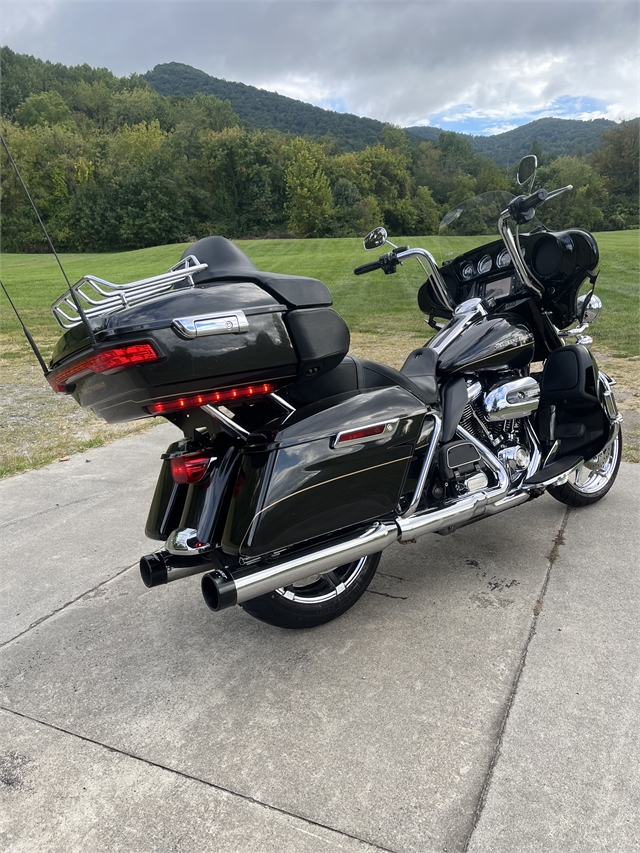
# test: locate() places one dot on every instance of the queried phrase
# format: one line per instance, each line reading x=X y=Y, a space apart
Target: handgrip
x=374 y=265
x=534 y=200
x=522 y=207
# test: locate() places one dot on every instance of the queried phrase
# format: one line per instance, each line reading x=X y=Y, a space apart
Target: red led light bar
x=357 y=434
x=108 y=360
x=209 y=397
x=190 y=468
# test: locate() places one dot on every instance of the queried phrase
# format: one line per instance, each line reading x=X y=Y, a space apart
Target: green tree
x=617 y=162
x=309 y=205
x=45 y=108
x=584 y=205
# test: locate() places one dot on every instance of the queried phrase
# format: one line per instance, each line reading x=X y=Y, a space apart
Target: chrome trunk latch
x=228 y=323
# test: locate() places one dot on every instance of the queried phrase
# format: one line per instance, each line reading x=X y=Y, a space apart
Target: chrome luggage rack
x=97 y=297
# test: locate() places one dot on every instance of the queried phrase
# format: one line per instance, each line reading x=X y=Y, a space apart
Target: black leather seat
x=418 y=375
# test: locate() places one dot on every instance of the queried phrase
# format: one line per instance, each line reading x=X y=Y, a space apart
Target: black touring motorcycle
x=300 y=463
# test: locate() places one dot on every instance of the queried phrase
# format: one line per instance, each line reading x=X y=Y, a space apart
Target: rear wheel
x=594 y=477
x=316 y=599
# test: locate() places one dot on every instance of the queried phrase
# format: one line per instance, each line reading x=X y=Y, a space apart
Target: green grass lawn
x=37 y=426
x=374 y=303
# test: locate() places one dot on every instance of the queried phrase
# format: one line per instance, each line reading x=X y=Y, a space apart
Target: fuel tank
x=498 y=342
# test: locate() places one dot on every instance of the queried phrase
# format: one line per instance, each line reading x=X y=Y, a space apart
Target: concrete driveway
x=483 y=695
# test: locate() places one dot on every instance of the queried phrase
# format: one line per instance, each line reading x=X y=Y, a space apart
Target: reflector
x=361 y=433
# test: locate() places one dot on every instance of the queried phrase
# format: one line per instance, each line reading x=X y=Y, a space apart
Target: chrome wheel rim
x=595 y=473
x=319 y=589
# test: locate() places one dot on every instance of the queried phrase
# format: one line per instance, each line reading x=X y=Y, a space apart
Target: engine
x=496 y=418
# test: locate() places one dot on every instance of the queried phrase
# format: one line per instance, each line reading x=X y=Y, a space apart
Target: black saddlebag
x=333 y=464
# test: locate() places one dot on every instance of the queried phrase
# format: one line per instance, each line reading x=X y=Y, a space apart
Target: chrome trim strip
x=289 y=408
x=227 y=323
x=225 y=421
x=473 y=311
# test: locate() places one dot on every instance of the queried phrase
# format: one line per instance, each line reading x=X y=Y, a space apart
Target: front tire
x=316 y=599
x=594 y=477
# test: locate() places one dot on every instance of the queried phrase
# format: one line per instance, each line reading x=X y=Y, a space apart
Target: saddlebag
x=331 y=465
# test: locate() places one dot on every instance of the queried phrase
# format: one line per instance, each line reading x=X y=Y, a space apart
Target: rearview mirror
x=375 y=238
x=527 y=170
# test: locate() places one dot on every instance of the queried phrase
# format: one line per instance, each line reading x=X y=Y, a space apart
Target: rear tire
x=317 y=599
x=594 y=477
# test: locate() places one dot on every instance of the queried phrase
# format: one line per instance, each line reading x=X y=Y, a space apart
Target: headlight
x=593 y=309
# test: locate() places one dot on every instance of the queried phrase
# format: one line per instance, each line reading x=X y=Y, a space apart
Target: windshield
x=473 y=223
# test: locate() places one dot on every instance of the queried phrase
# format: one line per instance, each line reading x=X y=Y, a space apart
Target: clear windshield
x=473 y=223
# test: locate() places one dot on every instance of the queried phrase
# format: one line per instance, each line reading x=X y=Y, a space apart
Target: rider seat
x=417 y=375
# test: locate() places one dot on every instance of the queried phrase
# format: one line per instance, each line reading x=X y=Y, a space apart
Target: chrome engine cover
x=515 y=399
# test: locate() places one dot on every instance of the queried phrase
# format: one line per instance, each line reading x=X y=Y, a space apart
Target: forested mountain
x=112 y=164
x=553 y=137
x=267 y=109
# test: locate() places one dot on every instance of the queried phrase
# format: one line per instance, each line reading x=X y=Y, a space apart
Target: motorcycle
x=299 y=463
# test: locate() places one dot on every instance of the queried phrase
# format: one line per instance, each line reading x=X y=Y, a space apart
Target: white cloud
x=403 y=61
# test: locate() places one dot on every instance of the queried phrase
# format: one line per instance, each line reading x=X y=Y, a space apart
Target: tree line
x=114 y=165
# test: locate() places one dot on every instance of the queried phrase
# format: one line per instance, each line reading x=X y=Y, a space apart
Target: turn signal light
x=209 y=397
x=103 y=361
x=190 y=468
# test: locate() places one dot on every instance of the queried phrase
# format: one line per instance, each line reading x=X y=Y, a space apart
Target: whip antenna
x=74 y=295
x=27 y=333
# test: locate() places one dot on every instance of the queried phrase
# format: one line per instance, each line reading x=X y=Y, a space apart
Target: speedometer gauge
x=503 y=259
x=467 y=271
x=485 y=264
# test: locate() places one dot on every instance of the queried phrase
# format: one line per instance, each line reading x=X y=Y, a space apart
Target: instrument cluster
x=469 y=269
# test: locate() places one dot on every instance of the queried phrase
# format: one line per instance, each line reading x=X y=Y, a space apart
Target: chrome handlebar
x=432 y=272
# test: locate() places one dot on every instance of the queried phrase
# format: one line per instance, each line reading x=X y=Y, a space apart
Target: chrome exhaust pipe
x=223 y=588
x=161 y=567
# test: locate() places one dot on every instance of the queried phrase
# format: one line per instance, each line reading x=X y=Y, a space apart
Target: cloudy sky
x=477 y=66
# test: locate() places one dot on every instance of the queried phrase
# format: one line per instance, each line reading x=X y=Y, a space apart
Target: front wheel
x=316 y=599
x=594 y=477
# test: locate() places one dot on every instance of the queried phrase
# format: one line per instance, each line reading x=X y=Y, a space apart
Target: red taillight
x=207 y=397
x=358 y=434
x=114 y=360
x=191 y=468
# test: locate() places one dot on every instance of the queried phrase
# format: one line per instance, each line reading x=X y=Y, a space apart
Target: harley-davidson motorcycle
x=300 y=463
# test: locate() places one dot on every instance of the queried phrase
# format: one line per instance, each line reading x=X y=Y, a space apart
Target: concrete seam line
x=42 y=619
x=484 y=791
x=91 y=499
x=191 y=778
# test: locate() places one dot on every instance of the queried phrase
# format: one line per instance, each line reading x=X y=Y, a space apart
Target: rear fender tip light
x=210 y=398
